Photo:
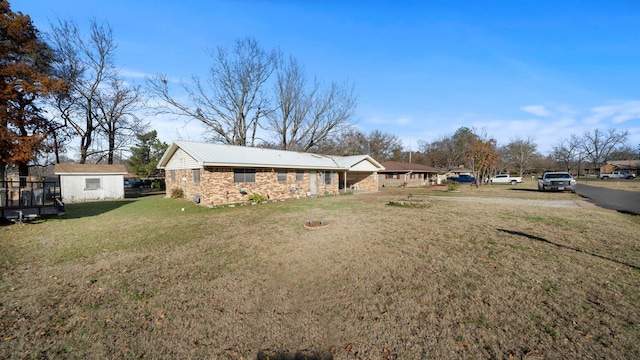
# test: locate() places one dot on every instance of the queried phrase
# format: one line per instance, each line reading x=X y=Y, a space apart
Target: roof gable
x=358 y=163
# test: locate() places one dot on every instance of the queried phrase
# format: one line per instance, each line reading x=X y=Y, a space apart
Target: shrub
x=452 y=185
x=257 y=198
x=177 y=193
x=157 y=184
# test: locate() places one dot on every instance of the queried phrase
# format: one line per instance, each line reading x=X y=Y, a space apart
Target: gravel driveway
x=531 y=202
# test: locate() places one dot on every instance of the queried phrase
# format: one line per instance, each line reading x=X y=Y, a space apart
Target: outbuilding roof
x=243 y=156
x=89 y=169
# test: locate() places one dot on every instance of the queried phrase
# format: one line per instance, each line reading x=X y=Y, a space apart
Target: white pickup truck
x=505 y=179
x=617 y=175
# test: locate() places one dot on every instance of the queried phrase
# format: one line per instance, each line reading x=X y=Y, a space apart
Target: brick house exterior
x=214 y=175
x=398 y=173
x=629 y=166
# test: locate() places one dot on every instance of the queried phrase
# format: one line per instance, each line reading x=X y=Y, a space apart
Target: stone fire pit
x=312 y=224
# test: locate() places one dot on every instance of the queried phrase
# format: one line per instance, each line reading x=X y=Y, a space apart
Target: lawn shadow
x=133 y=193
x=537 y=238
x=91 y=208
x=527 y=190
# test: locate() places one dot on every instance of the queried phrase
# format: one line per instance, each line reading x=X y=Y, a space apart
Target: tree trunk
x=112 y=146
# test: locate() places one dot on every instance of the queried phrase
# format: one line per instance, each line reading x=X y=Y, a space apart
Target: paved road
x=620 y=200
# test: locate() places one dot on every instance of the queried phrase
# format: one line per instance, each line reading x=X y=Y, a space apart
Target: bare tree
x=86 y=63
x=623 y=152
x=349 y=142
x=116 y=108
x=306 y=115
x=231 y=102
x=519 y=153
x=293 y=104
x=384 y=146
x=377 y=144
x=440 y=153
x=450 y=151
x=598 y=145
x=566 y=151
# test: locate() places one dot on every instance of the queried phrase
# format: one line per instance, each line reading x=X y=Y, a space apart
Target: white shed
x=83 y=182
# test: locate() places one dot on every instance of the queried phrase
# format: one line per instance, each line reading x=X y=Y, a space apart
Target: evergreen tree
x=146 y=154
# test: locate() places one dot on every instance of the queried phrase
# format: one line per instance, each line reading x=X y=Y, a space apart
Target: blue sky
x=422 y=69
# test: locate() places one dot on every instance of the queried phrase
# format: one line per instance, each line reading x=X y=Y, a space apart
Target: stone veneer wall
x=363 y=181
x=424 y=179
x=217 y=187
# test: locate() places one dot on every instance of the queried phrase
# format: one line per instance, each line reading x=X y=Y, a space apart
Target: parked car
x=556 y=181
x=462 y=178
x=617 y=175
x=505 y=179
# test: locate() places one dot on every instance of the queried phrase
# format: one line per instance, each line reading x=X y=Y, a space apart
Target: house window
x=282 y=175
x=244 y=175
x=328 y=178
x=173 y=175
x=300 y=175
x=196 y=176
x=393 y=176
x=92 y=184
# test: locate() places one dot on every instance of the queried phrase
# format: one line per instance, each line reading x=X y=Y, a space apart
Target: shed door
x=313 y=183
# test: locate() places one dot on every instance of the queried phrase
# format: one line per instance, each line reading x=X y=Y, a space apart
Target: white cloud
x=538 y=110
x=615 y=113
x=403 y=121
x=133 y=74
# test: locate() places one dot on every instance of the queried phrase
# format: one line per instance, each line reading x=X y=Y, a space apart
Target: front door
x=313 y=183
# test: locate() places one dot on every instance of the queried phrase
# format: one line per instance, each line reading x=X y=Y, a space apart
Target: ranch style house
x=214 y=174
x=398 y=173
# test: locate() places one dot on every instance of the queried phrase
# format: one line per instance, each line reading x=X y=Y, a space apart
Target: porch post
x=345 y=180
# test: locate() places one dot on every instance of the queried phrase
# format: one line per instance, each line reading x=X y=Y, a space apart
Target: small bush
x=177 y=193
x=348 y=192
x=157 y=184
x=257 y=198
x=452 y=185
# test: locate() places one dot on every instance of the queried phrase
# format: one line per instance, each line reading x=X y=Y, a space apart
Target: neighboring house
x=628 y=166
x=398 y=173
x=457 y=171
x=82 y=182
x=213 y=174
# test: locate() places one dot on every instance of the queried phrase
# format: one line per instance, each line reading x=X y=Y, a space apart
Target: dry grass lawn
x=495 y=272
x=628 y=185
